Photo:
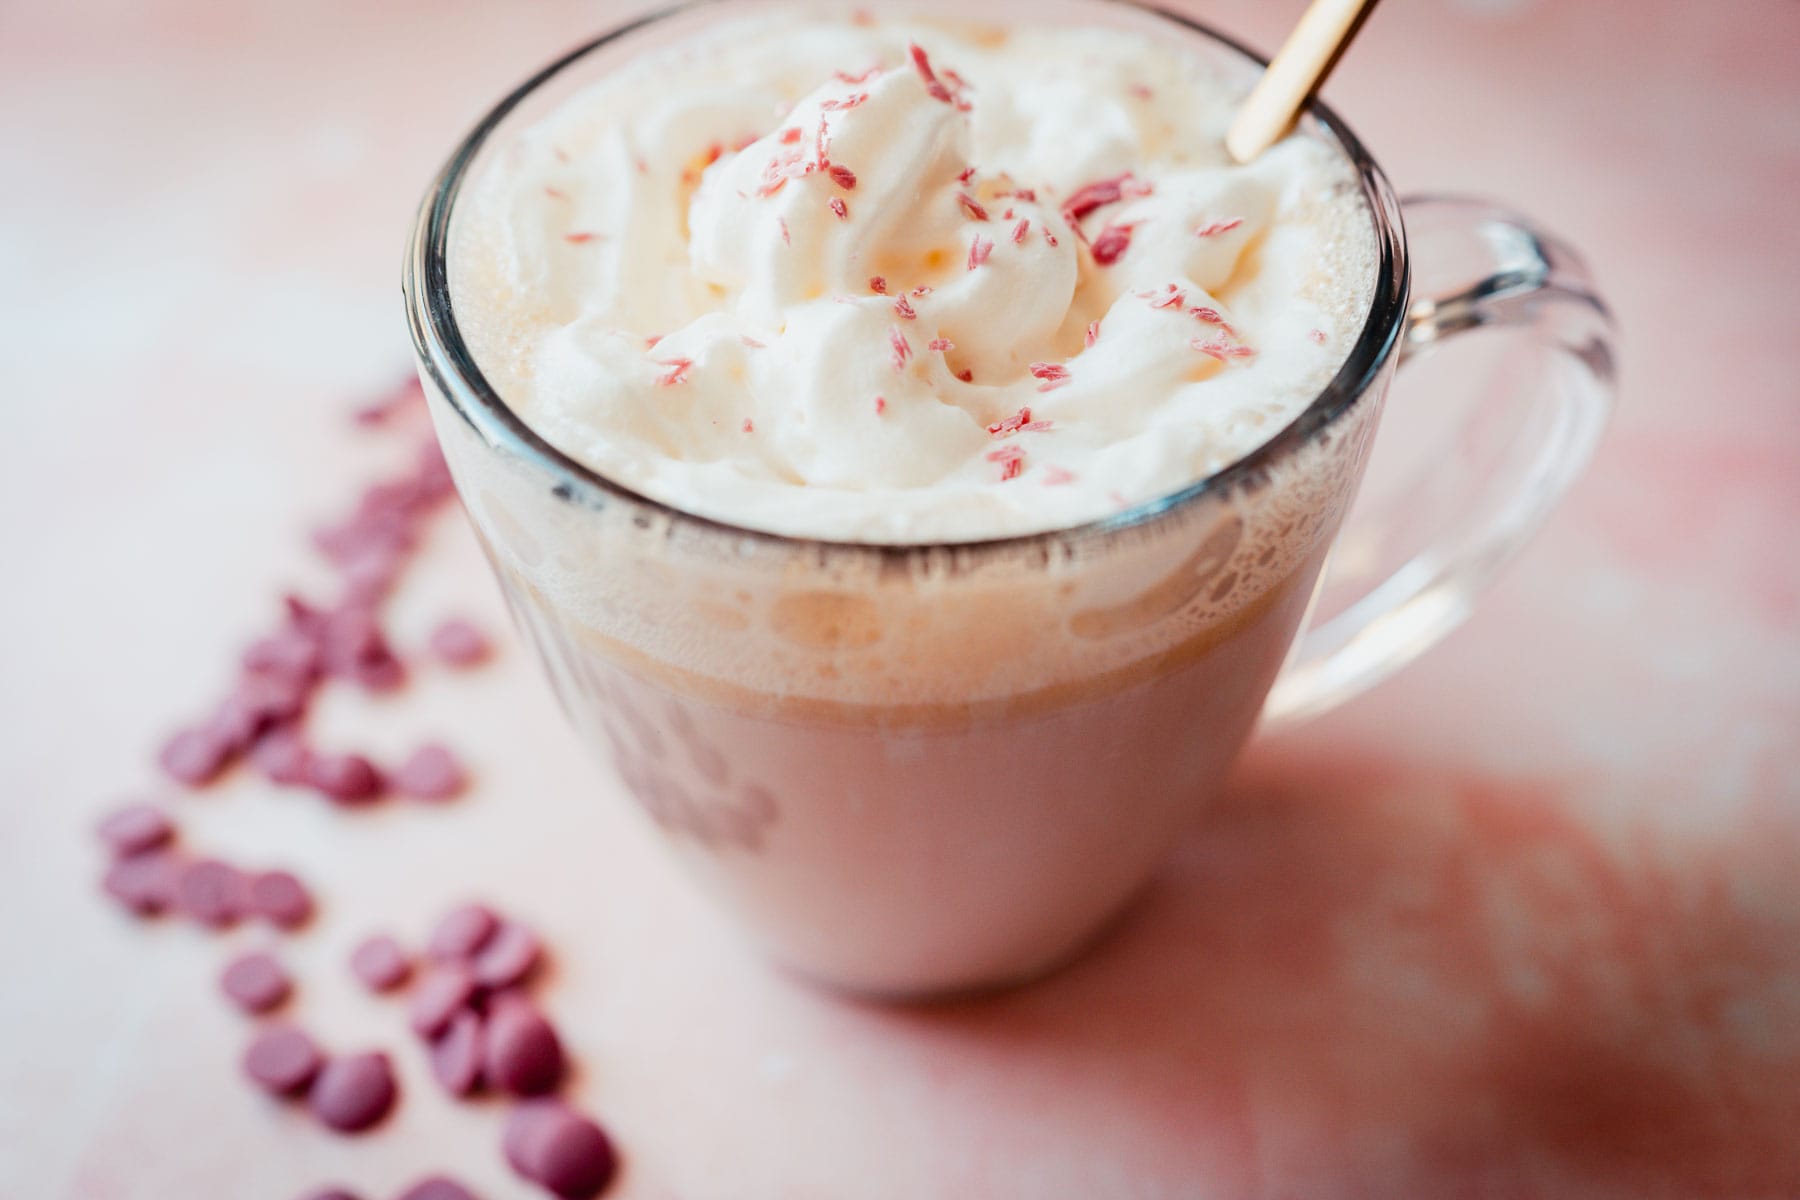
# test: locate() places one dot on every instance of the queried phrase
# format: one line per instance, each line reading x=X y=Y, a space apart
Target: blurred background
x=1524 y=922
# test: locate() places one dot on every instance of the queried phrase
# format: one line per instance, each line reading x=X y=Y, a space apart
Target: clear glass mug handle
x=1502 y=447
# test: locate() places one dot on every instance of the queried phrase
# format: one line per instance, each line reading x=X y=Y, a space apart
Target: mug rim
x=444 y=355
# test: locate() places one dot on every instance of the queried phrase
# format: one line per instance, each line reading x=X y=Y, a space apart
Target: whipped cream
x=898 y=282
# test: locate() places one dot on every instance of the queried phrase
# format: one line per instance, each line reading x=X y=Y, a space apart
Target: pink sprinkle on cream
x=1222 y=350
x=749 y=425
x=1057 y=476
x=972 y=206
x=1093 y=332
x=1095 y=195
x=1009 y=425
x=880 y=405
x=677 y=373
x=791 y=135
x=1218 y=227
x=554 y=194
x=840 y=208
x=979 y=251
x=1142 y=91
x=1020 y=230
x=579 y=238
x=905 y=309
x=903 y=350
x=844 y=177
x=1174 y=299
x=1045 y=370
x=920 y=291
x=752 y=342
x=1011 y=459
x=934 y=87
x=1317 y=335
x=967 y=376
x=1112 y=243
x=942 y=345
x=878 y=285
x=651 y=341
x=785 y=236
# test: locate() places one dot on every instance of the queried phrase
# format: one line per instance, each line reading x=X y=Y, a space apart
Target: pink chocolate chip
x=456 y=1054
x=144 y=883
x=524 y=1055
x=380 y=963
x=439 y=997
x=195 y=756
x=560 y=1149
x=282 y=1060
x=509 y=956
x=463 y=932
x=459 y=643
x=211 y=892
x=351 y=1094
x=282 y=757
x=347 y=779
x=137 y=828
x=437 y=1188
x=281 y=899
x=256 y=982
x=431 y=773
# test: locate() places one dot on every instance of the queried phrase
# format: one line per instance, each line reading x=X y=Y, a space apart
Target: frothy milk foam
x=911 y=283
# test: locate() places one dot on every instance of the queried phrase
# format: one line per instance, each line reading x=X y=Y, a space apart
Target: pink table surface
x=1523 y=923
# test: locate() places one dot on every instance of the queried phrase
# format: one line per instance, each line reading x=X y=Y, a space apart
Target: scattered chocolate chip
x=282 y=1060
x=144 y=883
x=292 y=652
x=211 y=892
x=380 y=963
x=437 y=1188
x=281 y=899
x=463 y=932
x=255 y=982
x=351 y=1094
x=136 y=829
x=456 y=1054
x=195 y=757
x=346 y=778
x=282 y=757
x=524 y=1056
x=443 y=993
x=509 y=956
x=560 y=1149
x=459 y=643
x=431 y=773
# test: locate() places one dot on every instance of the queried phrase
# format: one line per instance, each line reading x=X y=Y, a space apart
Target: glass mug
x=918 y=770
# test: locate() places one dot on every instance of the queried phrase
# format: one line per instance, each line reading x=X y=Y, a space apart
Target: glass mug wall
x=919 y=770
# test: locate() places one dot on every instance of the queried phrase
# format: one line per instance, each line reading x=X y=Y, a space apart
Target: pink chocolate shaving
x=979 y=251
x=934 y=87
x=749 y=425
x=677 y=372
x=903 y=350
x=1112 y=243
x=579 y=237
x=1093 y=332
x=905 y=309
x=844 y=177
x=1218 y=227
x=1010 y=425
x=1095 y=195
x=878 y=285
x=972 y=206
x=942 y=345
x=880 y=405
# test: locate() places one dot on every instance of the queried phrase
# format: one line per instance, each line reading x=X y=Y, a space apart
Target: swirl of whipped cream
x=946 y=293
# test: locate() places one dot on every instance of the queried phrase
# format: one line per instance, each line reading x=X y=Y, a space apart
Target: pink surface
x=1523 y=923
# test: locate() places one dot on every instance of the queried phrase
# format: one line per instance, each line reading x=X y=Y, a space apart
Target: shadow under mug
x=920 y=770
